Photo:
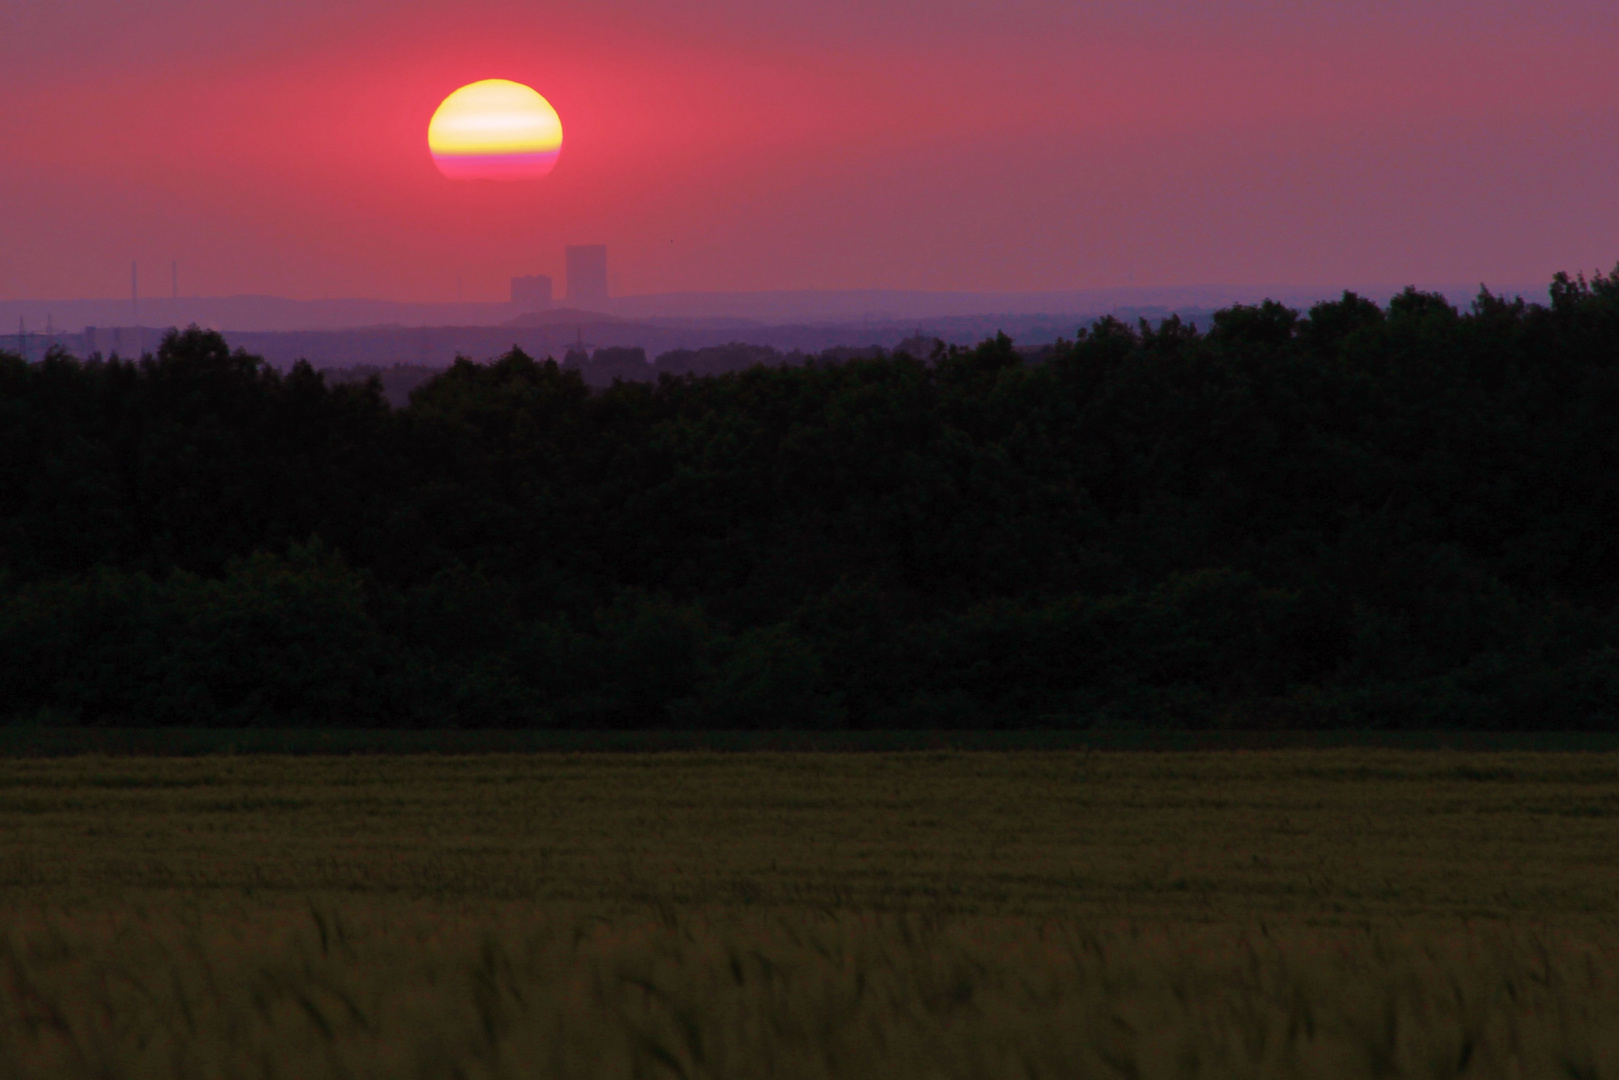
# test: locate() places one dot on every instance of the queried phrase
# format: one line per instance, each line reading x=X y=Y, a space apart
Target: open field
x=42 y=741
x=1298 y=913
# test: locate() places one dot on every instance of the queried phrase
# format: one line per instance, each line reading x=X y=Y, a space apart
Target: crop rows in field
x=1322 y=836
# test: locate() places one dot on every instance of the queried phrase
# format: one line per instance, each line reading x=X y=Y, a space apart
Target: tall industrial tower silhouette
x=587 y=275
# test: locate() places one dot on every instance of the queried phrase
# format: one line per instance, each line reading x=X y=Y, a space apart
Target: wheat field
x=1273 y=914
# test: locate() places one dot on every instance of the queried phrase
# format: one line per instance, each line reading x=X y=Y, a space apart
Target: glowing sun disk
x=495 y=130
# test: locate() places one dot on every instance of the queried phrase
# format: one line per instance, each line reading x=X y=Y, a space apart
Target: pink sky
x=279 y=146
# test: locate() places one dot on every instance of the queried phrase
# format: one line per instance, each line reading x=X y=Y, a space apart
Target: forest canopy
x=1355 y=516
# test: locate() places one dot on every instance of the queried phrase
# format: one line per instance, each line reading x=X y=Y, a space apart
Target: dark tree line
x=1354 y=516
x=604 y=366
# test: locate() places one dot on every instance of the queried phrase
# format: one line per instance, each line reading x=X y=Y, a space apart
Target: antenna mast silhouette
x=135 y=307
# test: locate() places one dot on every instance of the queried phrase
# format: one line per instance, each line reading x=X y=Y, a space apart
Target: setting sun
x=495 y=130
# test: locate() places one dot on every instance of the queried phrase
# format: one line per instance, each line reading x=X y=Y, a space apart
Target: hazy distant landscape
x=762 y=308
x=364 y=334
x=438 y=346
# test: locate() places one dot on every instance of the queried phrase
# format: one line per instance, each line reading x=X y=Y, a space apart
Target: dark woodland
x=1351 y=517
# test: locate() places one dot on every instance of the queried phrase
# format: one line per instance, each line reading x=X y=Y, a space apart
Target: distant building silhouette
x=587 y=275
x=532 y=292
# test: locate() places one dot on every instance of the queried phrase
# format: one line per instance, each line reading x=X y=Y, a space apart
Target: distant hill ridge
x=255 y=313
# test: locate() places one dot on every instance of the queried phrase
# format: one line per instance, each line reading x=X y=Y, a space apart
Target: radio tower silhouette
x=135 y=307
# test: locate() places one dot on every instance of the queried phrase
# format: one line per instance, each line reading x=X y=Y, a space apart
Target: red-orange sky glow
x=722 y=144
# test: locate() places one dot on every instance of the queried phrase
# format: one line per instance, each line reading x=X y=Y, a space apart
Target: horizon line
x=1447 y=286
